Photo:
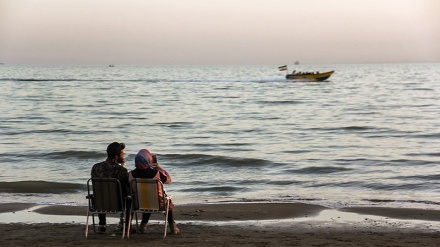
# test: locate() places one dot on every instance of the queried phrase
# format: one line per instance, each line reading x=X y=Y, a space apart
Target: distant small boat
x=111 y=65
x=309 y=76
x=296 y=62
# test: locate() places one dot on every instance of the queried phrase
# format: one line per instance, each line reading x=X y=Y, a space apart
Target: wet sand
x=252 y=224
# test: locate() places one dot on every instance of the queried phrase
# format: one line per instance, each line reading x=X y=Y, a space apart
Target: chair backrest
x=148 y=194
x=107 y=194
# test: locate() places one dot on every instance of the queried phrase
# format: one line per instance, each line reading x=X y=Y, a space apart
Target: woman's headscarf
x=143 y=159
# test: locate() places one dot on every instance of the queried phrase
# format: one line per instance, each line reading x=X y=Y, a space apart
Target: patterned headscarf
x=143 y=159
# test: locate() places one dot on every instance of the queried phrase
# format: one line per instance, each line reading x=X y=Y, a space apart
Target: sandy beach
x=251 y=224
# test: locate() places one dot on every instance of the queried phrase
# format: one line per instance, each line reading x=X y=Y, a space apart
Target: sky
x=218 y=32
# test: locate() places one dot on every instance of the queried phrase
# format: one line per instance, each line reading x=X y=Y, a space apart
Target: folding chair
x=149 y=197
x=107 y=198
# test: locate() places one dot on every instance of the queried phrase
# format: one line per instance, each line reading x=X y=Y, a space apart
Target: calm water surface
x=368 y=136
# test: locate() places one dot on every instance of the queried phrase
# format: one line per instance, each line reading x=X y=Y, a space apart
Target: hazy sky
x=157 y=32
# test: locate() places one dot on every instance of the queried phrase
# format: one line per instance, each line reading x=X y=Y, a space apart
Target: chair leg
x=166 y=218
x=130 y=217
x=87 y=224
x=93 y=221
x=123 y=229
x=137 y=222
x=124 y=219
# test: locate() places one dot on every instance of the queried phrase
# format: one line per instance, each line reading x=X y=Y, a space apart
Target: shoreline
x=232 y=224
x=235 y=224
x=241 y=211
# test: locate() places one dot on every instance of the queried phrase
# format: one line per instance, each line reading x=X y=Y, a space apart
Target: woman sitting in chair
x=147 y=167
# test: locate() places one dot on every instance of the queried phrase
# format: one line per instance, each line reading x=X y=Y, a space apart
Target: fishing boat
x=309 y=76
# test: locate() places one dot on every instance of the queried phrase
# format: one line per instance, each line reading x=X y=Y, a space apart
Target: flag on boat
x=282 y=68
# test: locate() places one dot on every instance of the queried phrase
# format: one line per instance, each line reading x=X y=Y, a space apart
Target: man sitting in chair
x=112 y=167
x=147 y=167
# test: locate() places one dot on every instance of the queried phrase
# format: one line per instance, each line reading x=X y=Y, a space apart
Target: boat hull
x=310 y=77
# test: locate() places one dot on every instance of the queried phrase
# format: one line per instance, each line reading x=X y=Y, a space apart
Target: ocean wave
x=40 y=187
x=35 y=79
x=430 y=154
x=375 y=132
x=407 y=162
x=351 y=129
x=375 y=186
x=297 y=151
x=283 y=182
x=177 y=159
x=430 y=177
x=54 y=131
x=429 y=136
x=216 y=190
x=351 y=184
x=56 y=155
x=74 y=154
x=319 y=170
x=396 y=187
x=402 y=201
x=215 y=160
x=281 y=102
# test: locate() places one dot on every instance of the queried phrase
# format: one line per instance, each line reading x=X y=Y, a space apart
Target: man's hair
x=115 y=149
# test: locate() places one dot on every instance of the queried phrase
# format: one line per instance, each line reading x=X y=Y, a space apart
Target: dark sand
x=254 y=224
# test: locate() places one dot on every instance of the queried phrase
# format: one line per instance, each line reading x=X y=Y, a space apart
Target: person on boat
x=112 y=167
x=148 y=167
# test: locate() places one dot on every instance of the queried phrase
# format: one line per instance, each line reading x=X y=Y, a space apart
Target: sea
x=368 y=136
